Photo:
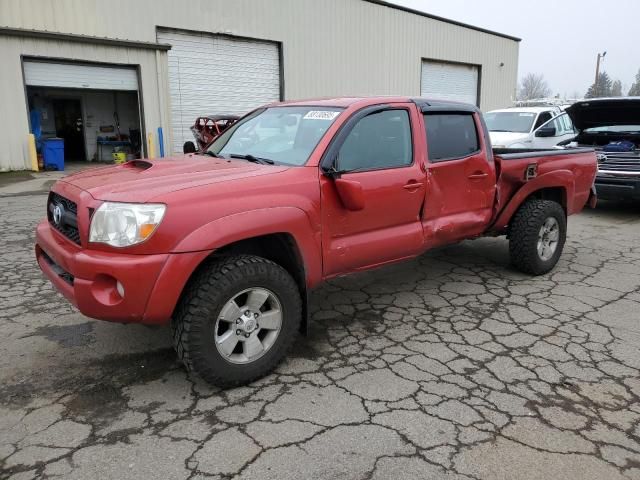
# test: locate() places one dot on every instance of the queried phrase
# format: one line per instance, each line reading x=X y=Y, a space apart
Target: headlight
x=125 y=224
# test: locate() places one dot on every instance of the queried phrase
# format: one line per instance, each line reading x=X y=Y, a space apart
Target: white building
x=88 y=70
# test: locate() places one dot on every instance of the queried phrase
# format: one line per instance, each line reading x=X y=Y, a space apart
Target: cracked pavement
x=452 y=366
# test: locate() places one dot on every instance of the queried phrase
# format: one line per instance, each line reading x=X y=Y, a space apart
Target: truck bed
x=517 y=167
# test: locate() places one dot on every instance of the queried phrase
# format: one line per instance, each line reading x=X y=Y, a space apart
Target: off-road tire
x=523 y=236
x=195 y=316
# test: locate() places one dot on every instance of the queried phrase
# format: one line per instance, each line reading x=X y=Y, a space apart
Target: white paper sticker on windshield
x=527 y=114
x=321 y=115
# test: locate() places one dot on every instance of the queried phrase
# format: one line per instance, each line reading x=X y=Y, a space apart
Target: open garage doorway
x=94 y=109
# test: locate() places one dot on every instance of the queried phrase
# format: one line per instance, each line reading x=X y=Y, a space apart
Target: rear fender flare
x=557 y=179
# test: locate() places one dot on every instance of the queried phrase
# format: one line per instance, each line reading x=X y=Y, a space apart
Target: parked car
x=226 y=245
x=529 y=127
x=612 y=126
x=206 y=129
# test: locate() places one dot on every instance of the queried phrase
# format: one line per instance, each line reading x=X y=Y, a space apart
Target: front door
x=378 y=154
x=461 y=181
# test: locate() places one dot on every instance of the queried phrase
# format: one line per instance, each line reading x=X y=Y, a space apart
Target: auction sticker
x=321 y=115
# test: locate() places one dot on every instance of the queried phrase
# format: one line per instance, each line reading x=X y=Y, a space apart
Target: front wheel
x=537 y=235
x=237 y=320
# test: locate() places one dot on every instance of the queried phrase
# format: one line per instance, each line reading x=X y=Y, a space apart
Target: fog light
x=120 y=289
x=107 y=290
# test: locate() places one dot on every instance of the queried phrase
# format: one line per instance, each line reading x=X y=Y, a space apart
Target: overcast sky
x=560 y=38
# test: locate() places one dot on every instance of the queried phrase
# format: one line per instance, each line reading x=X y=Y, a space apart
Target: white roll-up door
x=449 y=81
x=213 y=74
x=72 y=75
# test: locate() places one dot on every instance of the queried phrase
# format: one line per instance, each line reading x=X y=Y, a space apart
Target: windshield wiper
x=253 y=159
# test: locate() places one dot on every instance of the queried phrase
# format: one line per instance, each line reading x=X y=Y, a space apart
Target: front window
x=516 y=122
x=282 y=135
x=543 y=118
x=380 y=140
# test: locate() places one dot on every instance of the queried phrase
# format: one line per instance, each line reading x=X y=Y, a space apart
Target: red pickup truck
x=226 y=244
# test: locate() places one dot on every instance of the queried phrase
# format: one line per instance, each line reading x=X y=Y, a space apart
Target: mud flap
x=593 y=197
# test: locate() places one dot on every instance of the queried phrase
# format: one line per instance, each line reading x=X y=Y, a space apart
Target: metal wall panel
x=213 y=74
x=68 y=75
x=450 y=81
x=330 y=47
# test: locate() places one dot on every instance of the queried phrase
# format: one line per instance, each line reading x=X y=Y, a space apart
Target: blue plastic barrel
x=53 y=153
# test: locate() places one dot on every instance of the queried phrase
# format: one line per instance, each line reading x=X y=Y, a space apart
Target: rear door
x=376 y=150
x=461 y=180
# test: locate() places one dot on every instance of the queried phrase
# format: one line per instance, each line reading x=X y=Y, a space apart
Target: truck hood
x=143 y=180
x=605 y=112
x=505 y=139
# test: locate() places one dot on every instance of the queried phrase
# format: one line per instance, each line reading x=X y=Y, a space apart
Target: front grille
x=625 y=163
x=62 y=214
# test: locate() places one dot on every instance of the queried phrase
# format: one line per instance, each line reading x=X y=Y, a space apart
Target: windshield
x=517 y=122
x=615 y=129
x=283 y=135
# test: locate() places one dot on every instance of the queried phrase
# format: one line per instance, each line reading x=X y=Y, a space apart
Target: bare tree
x=533 y=86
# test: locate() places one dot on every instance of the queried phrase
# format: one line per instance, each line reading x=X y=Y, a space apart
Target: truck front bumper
x=618 y=188
x=116 y=287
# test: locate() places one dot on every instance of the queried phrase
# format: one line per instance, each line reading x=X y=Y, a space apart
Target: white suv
x=530 y=127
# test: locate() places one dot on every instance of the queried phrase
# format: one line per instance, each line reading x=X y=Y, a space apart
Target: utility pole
x=595 y=85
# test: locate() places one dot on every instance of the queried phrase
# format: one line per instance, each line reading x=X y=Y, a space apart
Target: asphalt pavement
x=451 y=366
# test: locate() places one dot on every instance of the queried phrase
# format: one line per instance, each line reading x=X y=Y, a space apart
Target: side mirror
x=350 y=193
x=546 y=132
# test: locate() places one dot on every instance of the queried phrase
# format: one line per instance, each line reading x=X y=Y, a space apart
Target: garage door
x=69 y=75
x=448 y=81
x=211 y=74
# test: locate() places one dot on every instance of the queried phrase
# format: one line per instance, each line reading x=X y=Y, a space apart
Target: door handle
x=478 y=176
x=411 y=186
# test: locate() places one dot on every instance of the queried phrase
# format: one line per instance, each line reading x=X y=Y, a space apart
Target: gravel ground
x=452 y=366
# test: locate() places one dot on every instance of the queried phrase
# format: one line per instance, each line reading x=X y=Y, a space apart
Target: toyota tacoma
x=226 y=244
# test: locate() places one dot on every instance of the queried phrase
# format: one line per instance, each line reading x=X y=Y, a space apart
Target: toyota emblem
x=57 y=214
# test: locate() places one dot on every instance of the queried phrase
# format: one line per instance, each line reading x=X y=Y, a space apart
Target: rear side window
x=450 y=136
x=568 y=126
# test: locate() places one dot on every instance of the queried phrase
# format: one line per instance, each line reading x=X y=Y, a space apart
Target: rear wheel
x=537 y=235
x=237 y=320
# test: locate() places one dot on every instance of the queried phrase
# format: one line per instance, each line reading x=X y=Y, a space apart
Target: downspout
x=162 y=104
